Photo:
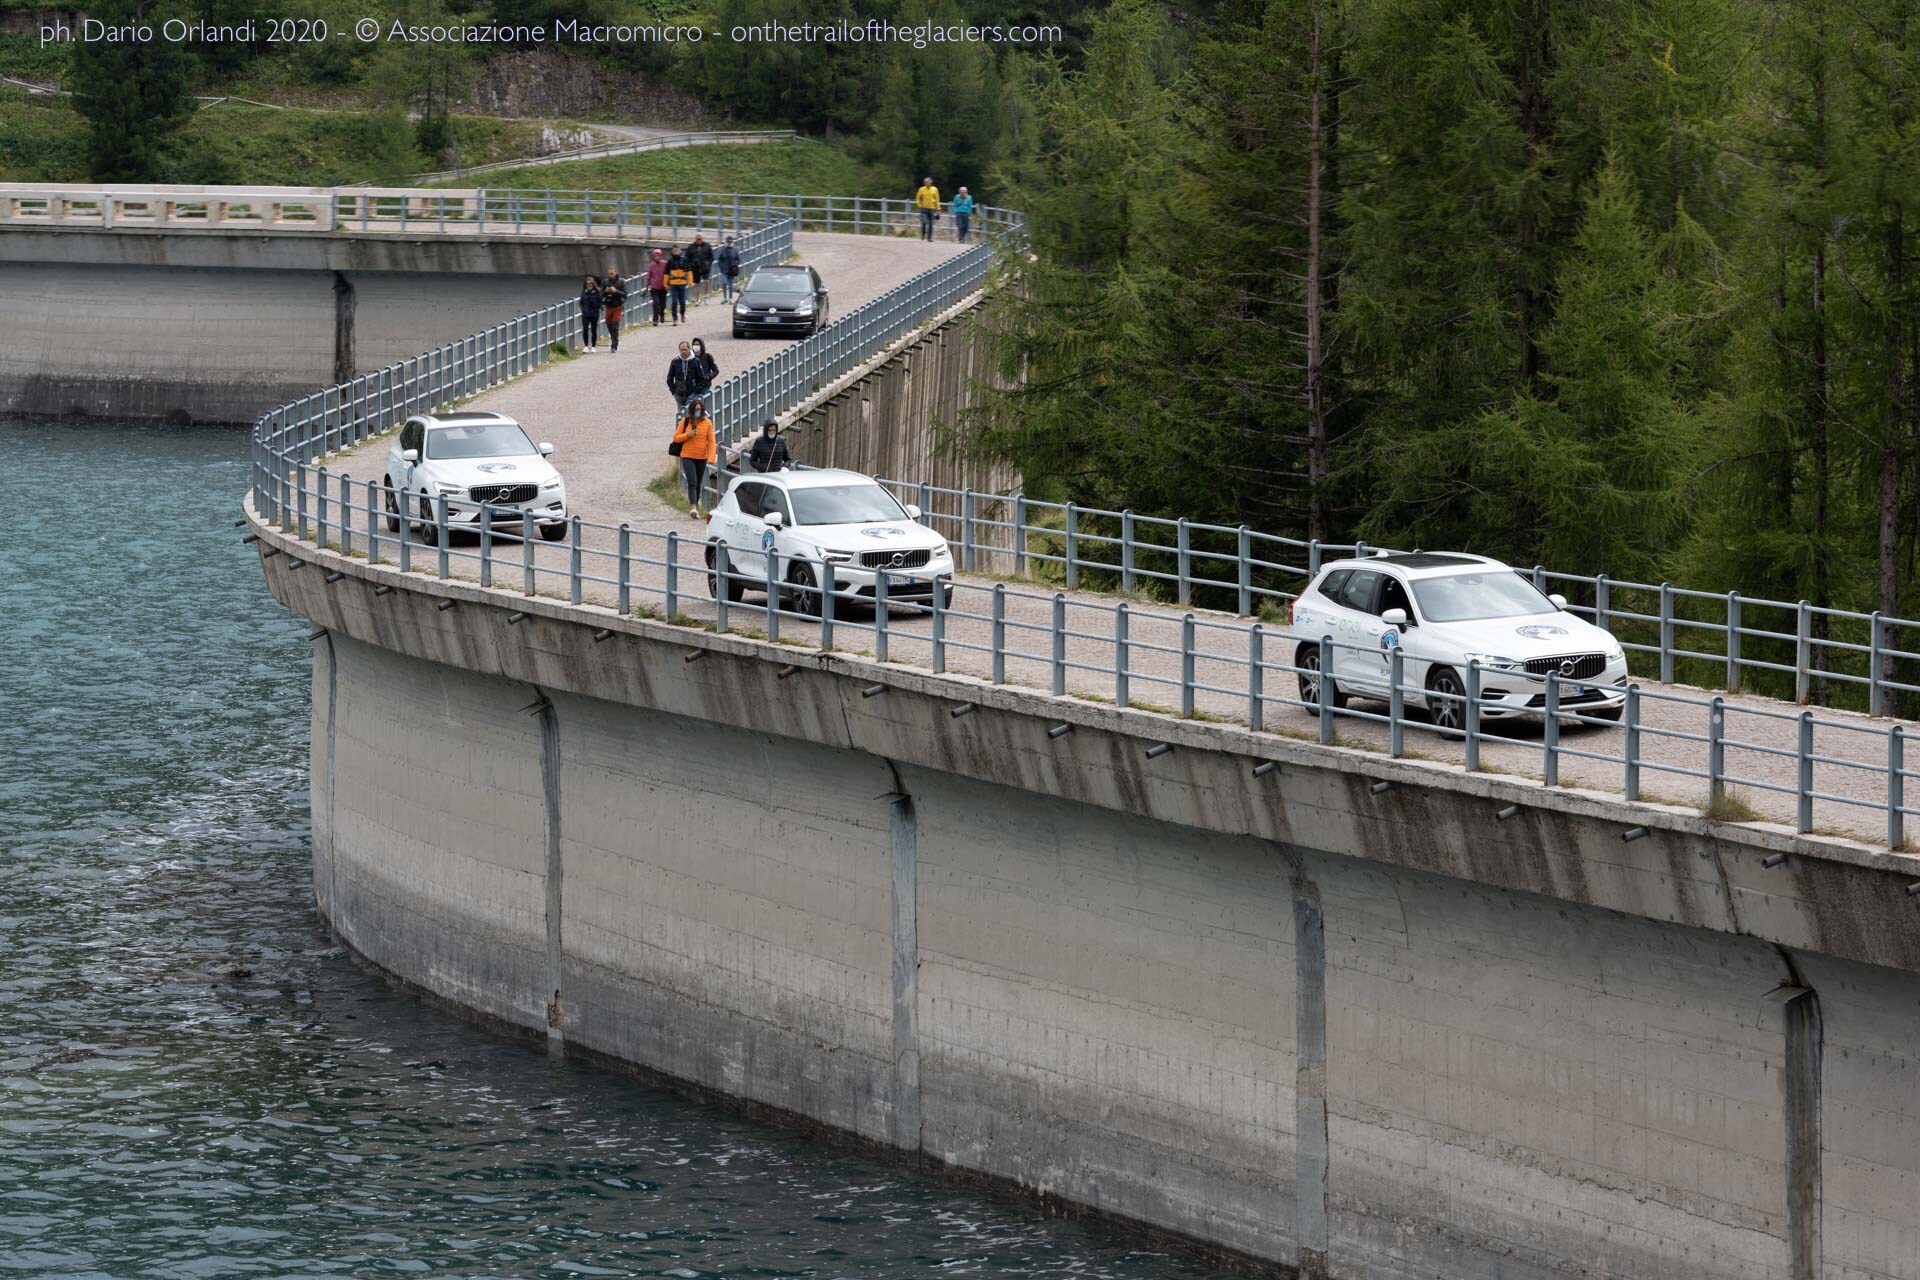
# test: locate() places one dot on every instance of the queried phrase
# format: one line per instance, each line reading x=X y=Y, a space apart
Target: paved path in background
x=610 y=417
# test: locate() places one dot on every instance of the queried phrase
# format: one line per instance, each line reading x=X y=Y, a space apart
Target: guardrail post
x=1073 y=547
x=1126 y=551
x=300 y=499
x=625 y=574
x=1630 y=753
x=320 y=507
x=1733 y=642
x=1876 y=668
x=1540 y=578
x=486 y=544
x=1183 y=560
x=346 y=515
x=1059 y=629
x=1470 y=716
x=966 y=529
x=1313 y=556
x=1396 y=701
x=1020 y=535
x=442 y=535
x=1602 y=601
x=939 y=625
x=1716 y=752
x=1803 y=653
x=828 y=604
x=1896 y=786
x=573 y=560
x=1359 y=550
x=373 y=531
x=672 y=592
x=721 y=578
x=526 y=553
x=1666 y=633
x=1121 y=693
x=1551 y=771
x=1256 y=678
x=1186 y=666
x=1324 y=690
x=406 y=535
x=1246 y=570
x=1803 y=757
x=772 y=585
x=880 y=615
x=999 y=633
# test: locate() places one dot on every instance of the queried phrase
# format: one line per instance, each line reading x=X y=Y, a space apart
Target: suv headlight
x=837 y=557
x=1493 y=662
x=549 y=486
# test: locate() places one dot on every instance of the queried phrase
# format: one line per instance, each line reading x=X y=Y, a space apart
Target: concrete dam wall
x=1364 y=1033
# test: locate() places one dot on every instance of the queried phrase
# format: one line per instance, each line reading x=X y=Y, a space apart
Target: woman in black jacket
x=769 y=452
x=590 y=313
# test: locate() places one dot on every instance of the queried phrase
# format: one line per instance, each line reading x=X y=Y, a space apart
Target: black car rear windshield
x=1473 y=597
x=781 y=282
x=844 y=504
x=480 y=440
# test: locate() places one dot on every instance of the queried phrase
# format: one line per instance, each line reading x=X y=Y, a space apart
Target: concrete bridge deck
x=611 y=416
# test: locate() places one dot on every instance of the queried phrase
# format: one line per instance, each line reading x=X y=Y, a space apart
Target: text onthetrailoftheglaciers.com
x=568 y=31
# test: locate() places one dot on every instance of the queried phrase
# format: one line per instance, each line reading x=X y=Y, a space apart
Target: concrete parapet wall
x=1362 y=1033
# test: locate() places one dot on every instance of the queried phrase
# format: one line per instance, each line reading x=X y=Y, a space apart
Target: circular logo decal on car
x=491 y=467
x=880 y=531
x=1540 y=632
x=1390 y=637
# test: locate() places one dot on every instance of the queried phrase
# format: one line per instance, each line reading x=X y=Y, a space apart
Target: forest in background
x=1620 y=286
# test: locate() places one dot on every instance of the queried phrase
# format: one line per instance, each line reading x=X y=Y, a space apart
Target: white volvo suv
x=806 y=518
x=477 y=460
x=1444 y=610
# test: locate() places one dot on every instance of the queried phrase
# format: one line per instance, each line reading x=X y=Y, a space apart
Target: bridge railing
x=1741 y=763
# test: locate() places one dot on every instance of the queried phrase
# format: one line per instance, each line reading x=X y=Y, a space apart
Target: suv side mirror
x=1558 y=601
x=545 y=448
x=913 y=512
x=1396 y=618
x=409 y=455
x=773 y=519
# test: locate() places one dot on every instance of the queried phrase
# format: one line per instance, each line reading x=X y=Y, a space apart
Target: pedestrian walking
x=657 y=285
x=706 y=369
x=695 y=444
x=590 y=313
x=683 y=379
x=679 y=279
x=613 y=302
x=962 y=215
x=700 y=258
x=769 y=452
x=927 y=200
x=726 y=260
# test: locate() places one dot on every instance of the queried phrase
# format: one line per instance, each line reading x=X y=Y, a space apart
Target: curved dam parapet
x=1353 y=1029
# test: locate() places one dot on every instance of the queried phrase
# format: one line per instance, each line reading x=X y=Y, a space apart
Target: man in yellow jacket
x=927 y=200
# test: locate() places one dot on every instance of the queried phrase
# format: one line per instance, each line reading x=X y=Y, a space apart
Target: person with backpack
x=726 y=260
x=657 y=285
x=700 y=258
x=697 y=447
x=679 y=278
x=613 y=302
x=706 y=369
x=590 y=313
x=769 y=452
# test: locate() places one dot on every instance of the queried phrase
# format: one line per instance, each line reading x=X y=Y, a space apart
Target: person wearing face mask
x=769 y=452
x=590 y=313
x=706 y=369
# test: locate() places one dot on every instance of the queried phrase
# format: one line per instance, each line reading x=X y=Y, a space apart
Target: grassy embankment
x=803 y=167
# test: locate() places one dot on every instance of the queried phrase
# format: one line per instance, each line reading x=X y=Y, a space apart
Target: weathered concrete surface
x=1545 y=1051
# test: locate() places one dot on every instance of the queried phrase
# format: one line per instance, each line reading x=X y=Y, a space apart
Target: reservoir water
x=196 y=1082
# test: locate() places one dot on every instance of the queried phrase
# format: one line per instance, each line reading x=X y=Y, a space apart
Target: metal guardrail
x=1088 y=549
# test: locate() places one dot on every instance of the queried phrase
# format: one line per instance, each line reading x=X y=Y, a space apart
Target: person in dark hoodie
x=590 y=313
x=700 y=258
x=613 y=300
x=706 y=371
x=769 y=452
x=726 y=261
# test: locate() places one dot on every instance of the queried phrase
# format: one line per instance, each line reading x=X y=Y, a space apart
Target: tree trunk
x=1316 y=361
x=1536 y=66
x=1894 y=446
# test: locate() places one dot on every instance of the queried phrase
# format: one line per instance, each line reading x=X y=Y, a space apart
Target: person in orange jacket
x=699 y=449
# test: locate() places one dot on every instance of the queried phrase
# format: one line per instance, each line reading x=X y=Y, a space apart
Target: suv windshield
x=844 y=504
x=479 y=440
x=1472 y=597
x=780 y=282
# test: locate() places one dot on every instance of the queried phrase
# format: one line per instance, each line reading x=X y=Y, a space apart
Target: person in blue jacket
x=962 y=214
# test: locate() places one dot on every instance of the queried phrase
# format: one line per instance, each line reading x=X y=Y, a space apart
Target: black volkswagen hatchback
x=780 y=300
